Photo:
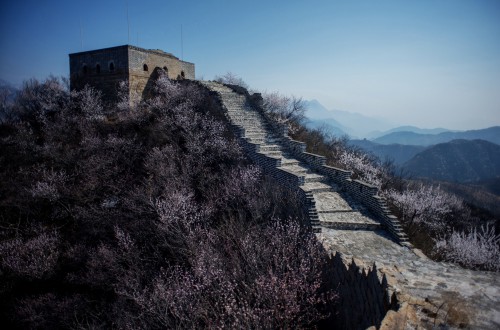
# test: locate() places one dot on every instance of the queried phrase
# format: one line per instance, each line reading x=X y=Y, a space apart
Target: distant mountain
x=491 y=134
x=360 y=125
x=413 y=129
x=330 y=125
x=457 y=161
x=399 y=153
x=354 y=124
x=484 y=194
x=316 y=110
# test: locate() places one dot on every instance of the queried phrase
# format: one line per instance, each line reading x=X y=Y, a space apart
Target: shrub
x=428 y=208
x=33 y=258
x=284 y=110
x=115 y=216
x=269 y=277
x=477 y=249
x=231 y=79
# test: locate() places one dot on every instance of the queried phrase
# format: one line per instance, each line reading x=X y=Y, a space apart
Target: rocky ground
x=431 y=294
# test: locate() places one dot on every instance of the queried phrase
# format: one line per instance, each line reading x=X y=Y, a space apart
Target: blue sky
x=426 y=63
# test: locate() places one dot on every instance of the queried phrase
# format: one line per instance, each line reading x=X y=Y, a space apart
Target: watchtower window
x=111 y=66
x=145 y=67
x=85 y=69
x=97 y=68
x=182 y=74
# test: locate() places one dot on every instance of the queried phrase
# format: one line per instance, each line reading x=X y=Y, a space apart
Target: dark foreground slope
x=151 y=217
x=457 y=161
x=146 y=218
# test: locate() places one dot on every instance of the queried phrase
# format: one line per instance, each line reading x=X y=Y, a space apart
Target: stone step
x=255 y=132
x=348 y=220
x=273 y=153
x=287 y=162
x=248 y=125
x=268 y=147
x=244 y=115
x=313 y=177
x=248 y=121
x=331 y=201
x=316 y=187
x=257 y=140
x=294 y=168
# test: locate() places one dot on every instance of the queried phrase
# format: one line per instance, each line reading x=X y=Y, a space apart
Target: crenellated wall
x=364 y=193
x=363 y=298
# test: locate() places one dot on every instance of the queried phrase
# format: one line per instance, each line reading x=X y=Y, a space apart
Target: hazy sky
x=426 y=63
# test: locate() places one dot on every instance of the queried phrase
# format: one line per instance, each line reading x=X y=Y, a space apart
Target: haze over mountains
x=437 y=154
x=491 y=134
x=343 y=122
x=384 y=131
x=457 y=161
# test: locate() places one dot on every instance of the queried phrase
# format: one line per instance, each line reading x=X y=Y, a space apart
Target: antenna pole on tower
x=128 y=27
x=182 y=46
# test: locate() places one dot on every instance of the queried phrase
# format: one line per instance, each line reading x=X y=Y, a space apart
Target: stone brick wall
x=362 y=192
x=271 y=166
x=113 y=68
x=364 y=298
x=144 y=65
x=136 y=65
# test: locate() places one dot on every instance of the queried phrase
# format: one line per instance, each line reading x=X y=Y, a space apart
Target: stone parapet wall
x=364 y=298
x=335 y=174
x=362 y=192
x=272 y=166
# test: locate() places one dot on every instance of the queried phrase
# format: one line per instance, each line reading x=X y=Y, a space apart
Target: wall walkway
x=354 y=223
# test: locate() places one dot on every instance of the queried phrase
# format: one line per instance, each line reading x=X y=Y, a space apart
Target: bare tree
x=288 y=110
x=231 y=79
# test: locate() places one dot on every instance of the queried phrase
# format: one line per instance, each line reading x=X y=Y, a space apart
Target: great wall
x=384 y=281
x=353 y=222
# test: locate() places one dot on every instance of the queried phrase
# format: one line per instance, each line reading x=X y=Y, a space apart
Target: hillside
x=457 y=161
x=483 y=194
x=491 y=134
x=147 y=217
x=397 y=152
x=413 y=129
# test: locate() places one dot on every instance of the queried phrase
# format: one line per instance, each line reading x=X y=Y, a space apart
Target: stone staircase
x=431 y=291
x=325 y=205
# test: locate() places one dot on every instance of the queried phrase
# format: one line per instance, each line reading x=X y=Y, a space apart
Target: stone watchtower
x=105 y=68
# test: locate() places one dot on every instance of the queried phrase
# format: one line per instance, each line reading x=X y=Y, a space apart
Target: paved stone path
x=431 y=293
x=458 y=296
x=330 y=209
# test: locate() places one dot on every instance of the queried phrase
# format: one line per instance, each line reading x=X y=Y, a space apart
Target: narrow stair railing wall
x=363 y=192
x=268 y=144
x=271 y=165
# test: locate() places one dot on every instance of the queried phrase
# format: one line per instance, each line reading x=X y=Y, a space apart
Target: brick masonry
x=105 y=68
x=363 y=193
